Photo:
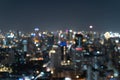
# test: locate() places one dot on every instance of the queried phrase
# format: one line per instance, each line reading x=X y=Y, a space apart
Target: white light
x=33 y=34
x=116 y=75
x=119 y=35
x=27 y=55
x=90 y=27
x=74 y=33
x=55 y=46
x=35 y=42
x=68 y=61
x=118 y=48
x=10 y=46
x=53 y=51
x=52 y=72
x=42 y=73
x=27 y=78
x=37 y=72
x=62 y=36
x=98 y=52
x=77 y=76
x=44 y=65
x=44 y=33
x=117 y=41
x=36 y=29
x=37 y=45
x=38 y=49
x=70 y=30
x=32 y=77
x=59 y=42
x=67 y=78
x=111 y=76
x=85 y=67
x=10 y=35
x=107 y=35
x=20 y=79
x=40 y=34
x=60 y=31
x=48 y=69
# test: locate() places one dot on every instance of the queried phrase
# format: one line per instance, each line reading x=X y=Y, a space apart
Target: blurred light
x=112 y=76
x=102 y=42
x=90 y=27
x=36 y=29
x=117 y=41
x=85 y=67
x=95 y=33
x=116 y=74
x=37 y=45
x=52 y=72
x=74 y=42
x=10 y=46
x=32 y=77
x=74 y=33
x=37 y=71
x=45 y=65
x=55 y=46
x=118 y=48
x=116 y=34
x=40 y=34
x=42 y=73
x=60 y=31
x=67 y=78
x=77 y=76
x=36 y=41
x=70 y=30
x=33 y=34
x=20 y=79
x=28 y=55
x=84 y=40
x=98 y=52
x=107 y=35
x=119 y=62
x=78 y=49
x=36 y=59
x=52 y=51
x=39 y=75
x=44 y=32
x=62 y=36
x=11 y=35
x=59 y=42
x=27 y=78
x=68 y=61
x=40 y=58
x=48 y=69
x=71 y=41
x=63 y=63
x=38 y=49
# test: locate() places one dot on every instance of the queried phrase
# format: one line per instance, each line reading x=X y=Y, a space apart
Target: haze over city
x=59 y=40
x=52 y=15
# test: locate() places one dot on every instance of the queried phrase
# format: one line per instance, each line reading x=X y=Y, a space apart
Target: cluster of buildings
x=86 y=55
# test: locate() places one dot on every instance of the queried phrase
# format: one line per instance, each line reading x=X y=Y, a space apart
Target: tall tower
x=78 y=40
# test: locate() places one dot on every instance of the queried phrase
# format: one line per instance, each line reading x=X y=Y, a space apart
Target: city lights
x=47 y=55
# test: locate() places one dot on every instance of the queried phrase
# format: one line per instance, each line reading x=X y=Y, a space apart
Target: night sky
x=51 y=15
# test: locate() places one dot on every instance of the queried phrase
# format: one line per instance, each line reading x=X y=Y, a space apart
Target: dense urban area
x=59 y=55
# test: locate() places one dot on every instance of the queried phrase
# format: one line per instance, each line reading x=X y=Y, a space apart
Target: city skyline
x=25 y=15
